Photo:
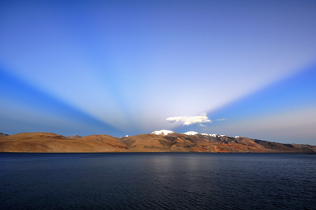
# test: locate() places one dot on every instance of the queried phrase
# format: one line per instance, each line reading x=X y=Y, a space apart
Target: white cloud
x=188 y=120
x=221 y=119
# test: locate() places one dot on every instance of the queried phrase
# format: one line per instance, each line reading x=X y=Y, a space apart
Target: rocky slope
x=173 y=142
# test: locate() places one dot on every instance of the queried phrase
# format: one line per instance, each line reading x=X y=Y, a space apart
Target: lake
x=157 y=181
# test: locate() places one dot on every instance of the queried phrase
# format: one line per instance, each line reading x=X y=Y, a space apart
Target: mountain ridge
x=41 y=142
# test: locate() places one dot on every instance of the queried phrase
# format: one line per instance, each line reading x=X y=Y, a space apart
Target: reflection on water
x=157 y=181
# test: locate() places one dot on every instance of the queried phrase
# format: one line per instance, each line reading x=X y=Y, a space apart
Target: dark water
x=157 y=181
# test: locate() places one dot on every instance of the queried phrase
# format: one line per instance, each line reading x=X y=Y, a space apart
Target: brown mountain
x=53 y=143
x=174 y=142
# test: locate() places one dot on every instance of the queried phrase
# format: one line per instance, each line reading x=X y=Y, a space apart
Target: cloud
x=188 y=120
x=221 y=119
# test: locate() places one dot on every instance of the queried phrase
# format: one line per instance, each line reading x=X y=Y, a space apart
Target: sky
x=245 y=68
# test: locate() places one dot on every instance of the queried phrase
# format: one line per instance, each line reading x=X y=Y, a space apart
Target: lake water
x=157 y=181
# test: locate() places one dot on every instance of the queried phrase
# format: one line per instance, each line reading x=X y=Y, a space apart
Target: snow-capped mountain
x=166 y=132
x=162 y=142
x=191 y=133
x=162 y=132
x=208 y=134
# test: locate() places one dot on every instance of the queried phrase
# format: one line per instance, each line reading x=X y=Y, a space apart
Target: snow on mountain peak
x=166 y=132
x=212 y=135
x=162 y=132
x=191 y=133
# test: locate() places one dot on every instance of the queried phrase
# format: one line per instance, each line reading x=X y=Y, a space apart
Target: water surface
x=157 y=181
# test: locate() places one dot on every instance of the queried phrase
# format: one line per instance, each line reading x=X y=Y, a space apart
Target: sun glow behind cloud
x=131 y=65
x=189 y=120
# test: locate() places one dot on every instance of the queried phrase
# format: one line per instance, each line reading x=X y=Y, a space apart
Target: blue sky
x=124 y=67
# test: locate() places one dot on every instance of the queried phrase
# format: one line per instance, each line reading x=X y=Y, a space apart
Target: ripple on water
x=157 y=181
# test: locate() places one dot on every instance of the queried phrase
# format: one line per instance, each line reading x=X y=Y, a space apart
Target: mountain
x=54 y=143
x=2 y=134
x=155 y=142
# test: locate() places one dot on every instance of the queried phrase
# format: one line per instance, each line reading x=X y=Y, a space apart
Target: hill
x=54 y=143
x=172 y=142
